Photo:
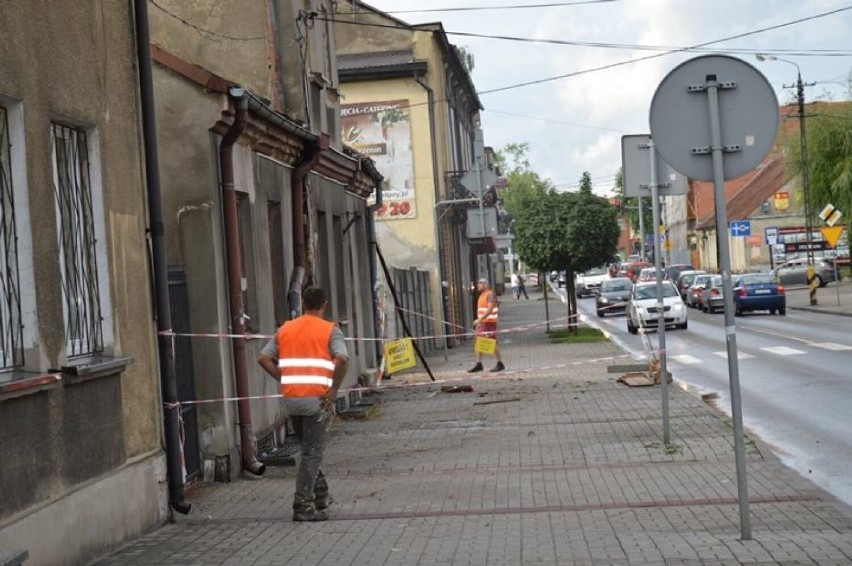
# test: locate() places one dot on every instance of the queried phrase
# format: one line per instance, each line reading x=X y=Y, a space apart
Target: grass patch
x=584 y=334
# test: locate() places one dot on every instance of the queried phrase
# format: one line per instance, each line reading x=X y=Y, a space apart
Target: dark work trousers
x=311 y=486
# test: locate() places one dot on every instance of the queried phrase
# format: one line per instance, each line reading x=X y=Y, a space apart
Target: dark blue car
x=759 y=292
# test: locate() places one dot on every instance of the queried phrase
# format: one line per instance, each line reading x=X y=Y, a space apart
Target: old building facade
x=83 y=468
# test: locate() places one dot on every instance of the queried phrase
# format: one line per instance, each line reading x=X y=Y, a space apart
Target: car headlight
x=604 y=300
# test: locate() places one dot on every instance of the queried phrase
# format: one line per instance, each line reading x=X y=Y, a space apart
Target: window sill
x=19 y=383
x=93 y=367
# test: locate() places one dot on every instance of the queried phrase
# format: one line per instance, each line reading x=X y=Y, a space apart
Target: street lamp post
x=803 y=141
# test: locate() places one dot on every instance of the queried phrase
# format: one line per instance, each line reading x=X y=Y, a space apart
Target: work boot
x=321 y=497
x=311 y=514
x=322 y=504
x=498 y=367
x=306 y=510
x=476 y=368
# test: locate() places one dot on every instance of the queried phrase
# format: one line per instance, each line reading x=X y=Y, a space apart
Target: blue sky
x=575 y=124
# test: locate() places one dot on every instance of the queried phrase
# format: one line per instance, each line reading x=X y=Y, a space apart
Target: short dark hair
x=313 y=298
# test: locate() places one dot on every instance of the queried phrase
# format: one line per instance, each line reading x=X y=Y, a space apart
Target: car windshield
x=609 y=286
x=700 y=280
x=650 y=292
x=597 y=271
x=758 y=279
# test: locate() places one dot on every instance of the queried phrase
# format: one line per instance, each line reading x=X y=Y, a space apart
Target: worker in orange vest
x=487 y=315
x=308 y=355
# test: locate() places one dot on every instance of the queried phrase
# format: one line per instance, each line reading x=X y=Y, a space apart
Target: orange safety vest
x=482 y=307
x=305 y=363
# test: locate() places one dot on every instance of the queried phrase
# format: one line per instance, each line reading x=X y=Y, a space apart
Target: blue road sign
x=741 y=228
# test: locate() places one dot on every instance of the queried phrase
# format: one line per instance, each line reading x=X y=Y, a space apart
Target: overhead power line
x=482 y=8
x=665 y=50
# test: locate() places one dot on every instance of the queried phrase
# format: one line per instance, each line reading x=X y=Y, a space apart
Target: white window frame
x=78 y=347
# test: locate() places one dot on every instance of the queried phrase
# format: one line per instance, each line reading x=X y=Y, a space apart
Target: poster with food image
x=382 y=131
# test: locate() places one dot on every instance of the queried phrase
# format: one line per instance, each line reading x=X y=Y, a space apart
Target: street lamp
x=800 y=99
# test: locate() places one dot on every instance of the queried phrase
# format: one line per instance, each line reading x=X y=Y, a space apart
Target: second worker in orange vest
x=308 y=355
x=487 y=315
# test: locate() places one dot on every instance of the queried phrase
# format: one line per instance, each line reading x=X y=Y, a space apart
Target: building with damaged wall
x=260 y=197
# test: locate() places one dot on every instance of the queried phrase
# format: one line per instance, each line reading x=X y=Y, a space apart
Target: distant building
x=410 y=104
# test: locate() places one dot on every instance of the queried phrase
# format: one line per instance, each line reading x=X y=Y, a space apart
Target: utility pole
x=806 y=186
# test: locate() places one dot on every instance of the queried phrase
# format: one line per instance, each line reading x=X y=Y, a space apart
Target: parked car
x=758 y=292
x=642 y=309
x=713 y=295
x=693 y=294
x=613 y=296
x=647 y=274
x=673 y=271
x=685 y=279
x=795 y=272
x=588 y=283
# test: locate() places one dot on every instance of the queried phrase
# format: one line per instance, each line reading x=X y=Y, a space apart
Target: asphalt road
x=795 y=376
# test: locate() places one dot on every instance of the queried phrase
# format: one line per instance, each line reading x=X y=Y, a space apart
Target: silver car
x=795 y=272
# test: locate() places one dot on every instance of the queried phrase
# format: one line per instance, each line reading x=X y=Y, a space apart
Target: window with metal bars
x=78 y=264
x=11 y=327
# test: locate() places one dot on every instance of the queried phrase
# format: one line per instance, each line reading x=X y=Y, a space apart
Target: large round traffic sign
x=680 y=116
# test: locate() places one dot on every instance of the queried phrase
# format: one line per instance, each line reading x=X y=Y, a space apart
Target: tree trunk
x=542 y=279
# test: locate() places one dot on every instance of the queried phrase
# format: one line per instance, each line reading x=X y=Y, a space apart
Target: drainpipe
x=174 y=452
x=310 y=157
x=373 y=247
x=430 y=96
x=232 y=244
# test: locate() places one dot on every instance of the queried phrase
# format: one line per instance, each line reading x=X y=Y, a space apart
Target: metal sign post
x=658 y=267
x=688 y=124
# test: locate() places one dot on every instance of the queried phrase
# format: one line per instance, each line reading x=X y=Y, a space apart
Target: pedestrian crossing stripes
x=782 y=350
x=740 y=355
x=834 y=346
x=685 y=359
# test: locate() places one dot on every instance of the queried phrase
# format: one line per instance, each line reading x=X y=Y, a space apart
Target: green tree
x=573 y=232
x=525 y=186
x=829 y=138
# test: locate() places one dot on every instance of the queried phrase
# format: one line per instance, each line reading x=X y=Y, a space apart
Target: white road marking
x=685 y=359
x=831 y=346
x=782 y=350
x=740 y=355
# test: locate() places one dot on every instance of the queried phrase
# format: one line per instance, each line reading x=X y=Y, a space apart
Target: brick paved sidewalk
x=552 y=463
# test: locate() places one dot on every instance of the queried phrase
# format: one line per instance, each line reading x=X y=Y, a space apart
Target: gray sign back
x=636 y=163
x=748 y=113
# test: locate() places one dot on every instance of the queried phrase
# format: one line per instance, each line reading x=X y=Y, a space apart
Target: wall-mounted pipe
x=234 y=262
x=174 y=455
x=310 y=157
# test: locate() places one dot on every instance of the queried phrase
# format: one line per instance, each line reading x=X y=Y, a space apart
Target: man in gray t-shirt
x=310 y=386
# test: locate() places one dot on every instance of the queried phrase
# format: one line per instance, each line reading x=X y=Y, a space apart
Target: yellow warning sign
x=485 y=345
x=399 y=355
x=831 y=234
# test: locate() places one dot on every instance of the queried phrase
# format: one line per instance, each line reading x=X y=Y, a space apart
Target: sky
x=575 y=124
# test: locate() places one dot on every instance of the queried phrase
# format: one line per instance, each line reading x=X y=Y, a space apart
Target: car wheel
x=630 y=328
x=782 y=311
x=600 y=313
x=820 y=282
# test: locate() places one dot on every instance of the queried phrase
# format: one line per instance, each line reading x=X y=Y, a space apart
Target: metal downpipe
x=310 y=157
x=174 y=452
x=234 y=261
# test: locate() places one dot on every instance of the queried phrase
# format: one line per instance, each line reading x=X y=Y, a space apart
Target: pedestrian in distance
x=308 y=355
x=487 y=316
x=522 y=288
x=515 y=281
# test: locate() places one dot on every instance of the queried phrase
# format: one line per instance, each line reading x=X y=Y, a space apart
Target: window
x=11 y=327
x=78 y=253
